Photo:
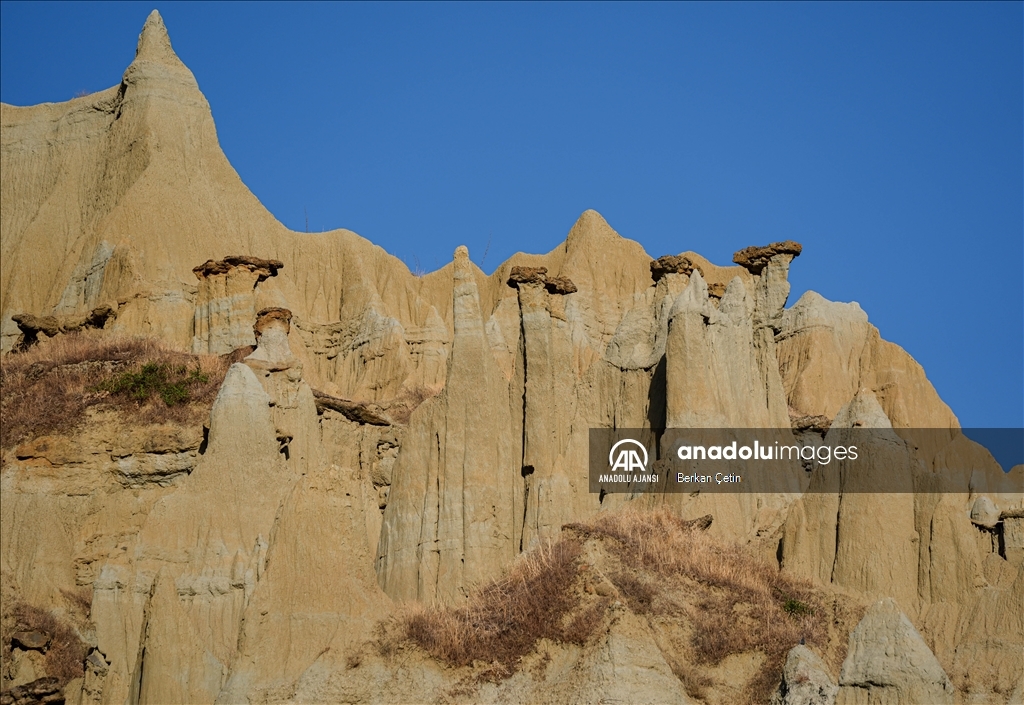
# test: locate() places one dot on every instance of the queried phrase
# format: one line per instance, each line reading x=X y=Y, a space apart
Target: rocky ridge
x=393 y=438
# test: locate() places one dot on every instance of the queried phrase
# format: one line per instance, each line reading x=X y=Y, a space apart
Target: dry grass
x=639 y=594
x=725 y=598
x=79 y=601
x=694 y=680
x=736 y=603
x=48 y=388
x=64 y=658
x=503 y=621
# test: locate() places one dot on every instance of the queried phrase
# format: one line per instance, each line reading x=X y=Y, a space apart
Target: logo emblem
x=628 y=459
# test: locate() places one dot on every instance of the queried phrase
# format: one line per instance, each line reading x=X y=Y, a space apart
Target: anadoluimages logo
x=855 y=460
x=628 y=459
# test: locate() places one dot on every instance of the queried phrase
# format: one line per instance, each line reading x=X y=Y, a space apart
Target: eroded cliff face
x=394 y=438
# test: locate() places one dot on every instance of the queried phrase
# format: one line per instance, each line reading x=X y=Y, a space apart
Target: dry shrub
x=64 y=658
x=639 y=594
x=79 y=600
x=733 y=603
x=503 y=621
x=48 y=388
x=738 y=603
x=694 y=680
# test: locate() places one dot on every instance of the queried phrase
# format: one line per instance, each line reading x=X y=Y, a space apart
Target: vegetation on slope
x=65 y=651
x=505 y=618
x=48 y=388
x=733 y=601
x=726 y=600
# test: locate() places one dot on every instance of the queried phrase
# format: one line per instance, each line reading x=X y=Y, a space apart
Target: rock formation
x=805 y=680
x=889 y=662
x=388 y=438
x=226 y=302
x=32 y=326
x=450 y=518
x=672 y=264
x=756 y=258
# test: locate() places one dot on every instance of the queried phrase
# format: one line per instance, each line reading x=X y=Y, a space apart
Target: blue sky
x=887 y=138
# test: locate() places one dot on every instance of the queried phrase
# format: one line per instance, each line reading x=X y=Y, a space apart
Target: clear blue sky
x=887 y=138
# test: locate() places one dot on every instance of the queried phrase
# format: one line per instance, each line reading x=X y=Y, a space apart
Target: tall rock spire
x=154 y=42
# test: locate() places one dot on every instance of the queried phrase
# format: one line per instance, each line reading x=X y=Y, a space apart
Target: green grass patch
x=169 y=382
x=796 y=608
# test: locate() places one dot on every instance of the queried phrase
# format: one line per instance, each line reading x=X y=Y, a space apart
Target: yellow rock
x=254 y=563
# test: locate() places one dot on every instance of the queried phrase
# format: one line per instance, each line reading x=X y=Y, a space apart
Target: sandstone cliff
x=390 y=438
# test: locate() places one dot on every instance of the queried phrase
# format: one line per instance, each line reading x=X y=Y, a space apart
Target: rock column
x=226 y=302
x=771 y=265
x=449 y=523
x=548 y=401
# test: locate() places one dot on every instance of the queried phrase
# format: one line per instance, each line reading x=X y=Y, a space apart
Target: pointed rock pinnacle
x=589 y=227
x=154 y=42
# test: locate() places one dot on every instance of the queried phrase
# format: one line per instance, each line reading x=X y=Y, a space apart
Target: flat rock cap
x=754 y=258
x=527 y=275
x=266 y=316
x=560 y=285
x=673 y=264
x=264 y=267
x=360 y=412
